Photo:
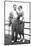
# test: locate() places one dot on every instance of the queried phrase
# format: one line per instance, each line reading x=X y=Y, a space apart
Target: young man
x=12 y=19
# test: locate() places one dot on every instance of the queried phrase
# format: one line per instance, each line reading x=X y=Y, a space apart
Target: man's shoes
x=12 y=41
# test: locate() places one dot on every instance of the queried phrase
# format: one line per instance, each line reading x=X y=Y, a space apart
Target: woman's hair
x=20 y=7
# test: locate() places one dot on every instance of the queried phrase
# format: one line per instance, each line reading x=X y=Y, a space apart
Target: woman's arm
x=22 y=16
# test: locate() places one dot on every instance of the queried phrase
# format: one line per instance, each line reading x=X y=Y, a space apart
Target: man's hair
x=14 y=5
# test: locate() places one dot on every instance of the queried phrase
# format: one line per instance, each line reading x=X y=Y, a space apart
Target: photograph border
x=4 y=13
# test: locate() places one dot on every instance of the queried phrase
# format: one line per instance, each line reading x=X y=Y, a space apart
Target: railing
x=24 y=28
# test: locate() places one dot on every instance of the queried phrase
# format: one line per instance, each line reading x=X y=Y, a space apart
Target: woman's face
x=19 y=10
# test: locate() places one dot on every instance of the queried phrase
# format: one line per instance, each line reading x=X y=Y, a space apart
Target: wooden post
x=30 y=19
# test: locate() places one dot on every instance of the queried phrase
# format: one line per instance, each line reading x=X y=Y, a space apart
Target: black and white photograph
x=17 y=23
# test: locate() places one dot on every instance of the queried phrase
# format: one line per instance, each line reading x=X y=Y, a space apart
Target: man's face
x=14 y=7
